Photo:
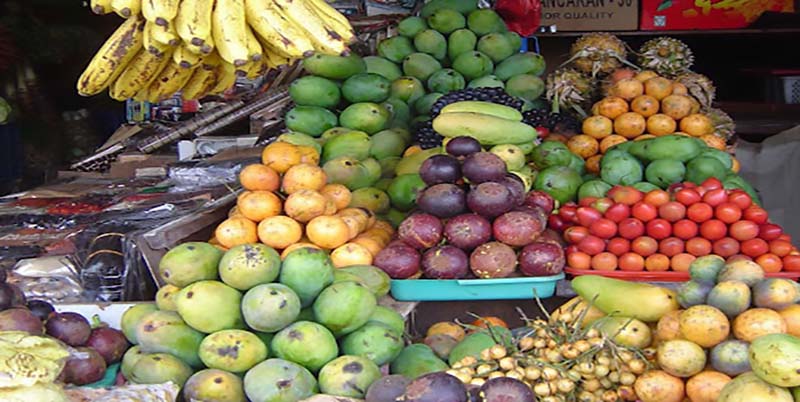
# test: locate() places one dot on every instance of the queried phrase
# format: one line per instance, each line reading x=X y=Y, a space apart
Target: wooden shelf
x=750 y=31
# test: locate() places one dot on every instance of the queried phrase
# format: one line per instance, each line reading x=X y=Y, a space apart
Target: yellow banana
x=254 y=49
x=193 y=22
x=198 y=84
x=126 y=8
x=204 y=50
x=229 y=28
x=142 y=95
x=321 y=33
x=185 y=58
x=160 y=11
x=139 y=73
x=275 y=28
x=257 y=69
x=113 y=56
x=171 y=79
x=162 y=37
x=274 y=60
x=334 y=17
x=151 y=33
x=226 y=74
x=101 y=7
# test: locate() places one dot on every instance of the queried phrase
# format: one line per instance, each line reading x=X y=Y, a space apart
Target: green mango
x=702 y=167
x=485 y=21
x=411 y=26
x=296 y=138
x=416 y=360
x=561 y=182
x=446 y=80
x=388 y=166
x=404 y=189
x=424 y=104
x=514 y=39
x=349 y=172
x=368 y=117
x=384 y=67
x=497 y=46
x=315 y=91
x=370 y=198
x=526 y=86
x=395 y=49
x=665 y=172
x=366 y=87
x=411 y=164
x=520 y=63
x=307 y=271
x=461 y=41
x=355 y=144
x=407 y=89
x=462 y=6
x=487 y=81
x=446 y=20
x=420 y=66
x=334 y=67
x=431 y=42
x=387 y=143
x=473 y=65
x=311 y=120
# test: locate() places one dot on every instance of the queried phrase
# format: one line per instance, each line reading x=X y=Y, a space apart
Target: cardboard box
x=706 y=14
x=591 y=15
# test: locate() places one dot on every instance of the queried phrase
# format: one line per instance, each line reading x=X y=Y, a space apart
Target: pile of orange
x=287 y=204
x=637 y=108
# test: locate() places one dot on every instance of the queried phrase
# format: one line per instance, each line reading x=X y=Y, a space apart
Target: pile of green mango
x=242 y=324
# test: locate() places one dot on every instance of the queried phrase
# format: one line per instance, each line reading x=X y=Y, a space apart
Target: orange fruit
x=338 y=193
x=556 y=137
x=644 y=137
x=627 y=88
x=236 y=231
x=355 y=225
x=258 y=205
x=735 y=166
x=660 y=124
x=234 y=212
x=327 y=231
x=279 y=231
x=350 y=254
x=259 y=177
x=611 y=107
x=305 y=205
x=297 y=246
x=448 y=328
x=485 y=322
x=598 y=126
x=679 y=89
x=706 y=386
x=308 y=155
x=713 y=141
x=676 y=106
x=583 y=145
x=373 y=245
x=303 y=177
x=681 y=133
x=697 y=125
x=593 y=163
x=330 y=207
x=384 y=226
x=658 y=87
x=280 y=156
x=412 y=150
x=629 y=125
x=645 y=105
x=610 y=141
x=645 y=75
x=695 y=105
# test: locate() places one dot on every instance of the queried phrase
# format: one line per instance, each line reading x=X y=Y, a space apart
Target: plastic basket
x=665 y=276
x=475 y=289
x=791 y=89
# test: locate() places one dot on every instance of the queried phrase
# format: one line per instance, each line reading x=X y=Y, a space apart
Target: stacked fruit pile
x=455 y=220
x=666 y=230
x=199 y=47
x=281 y=319
x=298 y=209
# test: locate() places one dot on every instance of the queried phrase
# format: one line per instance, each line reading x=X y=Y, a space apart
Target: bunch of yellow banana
x=199 y=47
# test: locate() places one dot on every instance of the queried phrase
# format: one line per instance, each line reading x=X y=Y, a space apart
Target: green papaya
x=520 y=63
x=334 y=67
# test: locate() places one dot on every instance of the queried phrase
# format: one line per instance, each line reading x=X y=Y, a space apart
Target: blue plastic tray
x=474 y=289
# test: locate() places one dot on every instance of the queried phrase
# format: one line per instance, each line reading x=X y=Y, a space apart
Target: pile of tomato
x=665 y=230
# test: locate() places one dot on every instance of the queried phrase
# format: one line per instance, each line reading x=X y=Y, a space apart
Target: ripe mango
x=214 y=385
x=638 y=300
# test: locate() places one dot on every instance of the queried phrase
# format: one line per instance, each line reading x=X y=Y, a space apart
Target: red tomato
x=684 y=229
x=603 y=228
x=644 y=212
x=698 y=246
x=604 y=261
x=656 y=197
x=726 y=247
x=681 y=262
x=625 y=194
x=770 y=262
x=740 y=198
x=631 y=228
x=557 y=223
x=587 y=215
x=700 y=212
x=592 y=245
x=715 y=197
x=670 y=246
x=602 y=204
x=672 y=211
x=688 y=196
x=711 y=183
x=575 y=234
x=791 y=263
x=755 y=247
x=779 y=247
x=728 y=212
x=631 y=262
x=618 y=212
x=785 y=237
x=568 y=212
x=756 y=214
x=659 y=229
x=587 y=201
x=644 y=245
x=656 y=263
x=743 y=230
x=713 y=229
x=579 y=260
x=618 y=246
x=769 y=231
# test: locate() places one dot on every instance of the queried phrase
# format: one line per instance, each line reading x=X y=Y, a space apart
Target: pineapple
x=699 y=86
x=569 y=88
x=724 y=127
x=598 y=53
x=668 y=57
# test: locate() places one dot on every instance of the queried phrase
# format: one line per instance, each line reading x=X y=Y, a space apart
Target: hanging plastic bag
x=521 y=16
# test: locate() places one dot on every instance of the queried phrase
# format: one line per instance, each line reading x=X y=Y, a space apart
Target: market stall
x=418 y=209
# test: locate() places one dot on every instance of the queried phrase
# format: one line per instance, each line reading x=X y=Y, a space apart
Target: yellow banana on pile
x=199 y=47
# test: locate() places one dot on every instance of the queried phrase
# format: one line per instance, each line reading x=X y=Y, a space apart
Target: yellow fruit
x=610 y=141
x=236 y=231
x=658 y=87
x=644 y=137
x=303 y=177
x=412 y=150
x=697 y=125
x=280 y=156
x=658 y=386
x=338 y=193
x=676 y=106
x=679 y=89
x=791 y=315
x=448 y=328
x=308 y=155
x=327 y=231
x=593 y=163
x=668 y=327
x=298 y=246
x=350 y=254
x=583 y=145
x=758 y=322
x=279 y=232
x=305 y=205
x=661 y=124
x=598 y=126
x=704 y=325
x=627 y=88
x=645 y=75
x=630 y=125
x=611 y=107
x=713 y=141
x=373 y=245
x=258 y=205
x=258 y=177
x=735 y=166
x=645 y=105
x=706 y=386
